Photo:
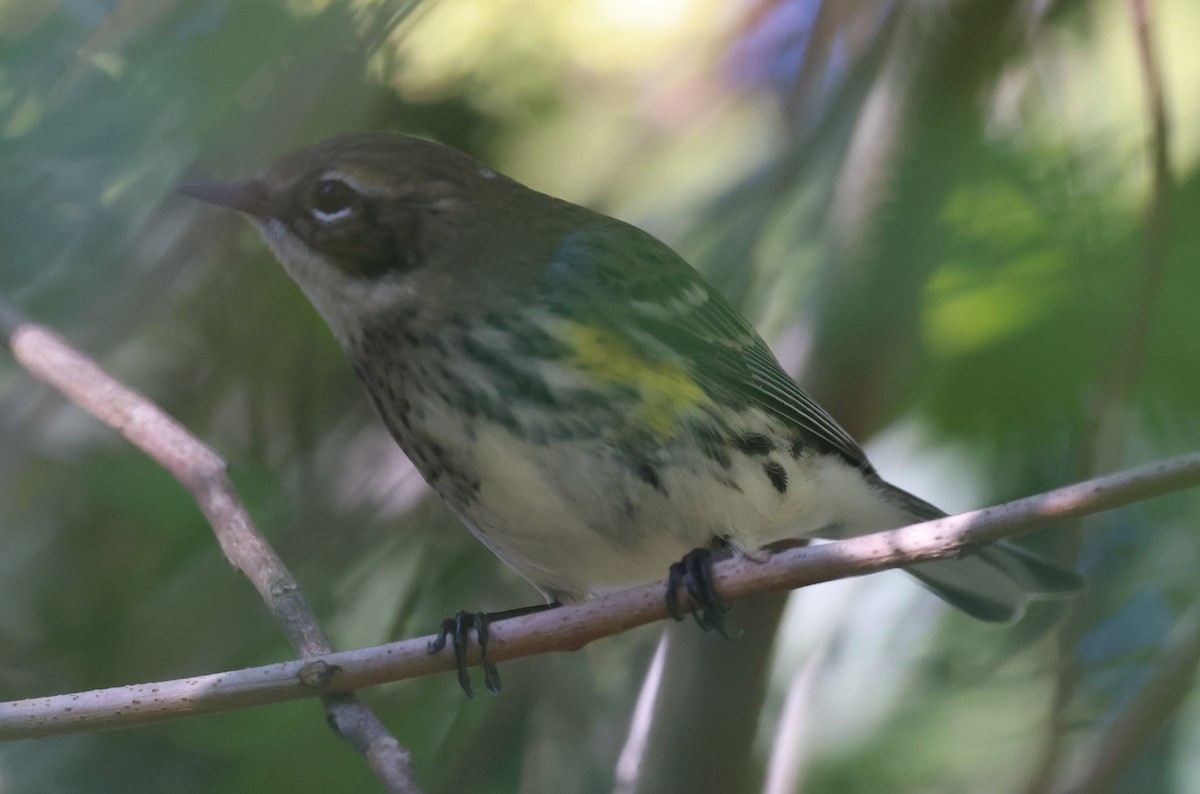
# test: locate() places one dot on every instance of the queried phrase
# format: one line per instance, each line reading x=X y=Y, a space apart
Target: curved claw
x=491 y=674
x=694 y=572
x=458 y=629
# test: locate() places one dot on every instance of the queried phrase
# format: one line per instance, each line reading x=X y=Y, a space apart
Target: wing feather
x=635 y=285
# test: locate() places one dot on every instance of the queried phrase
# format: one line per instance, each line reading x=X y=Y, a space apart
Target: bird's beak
x=249 y=197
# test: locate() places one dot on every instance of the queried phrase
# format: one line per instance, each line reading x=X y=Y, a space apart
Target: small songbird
x=594 y=412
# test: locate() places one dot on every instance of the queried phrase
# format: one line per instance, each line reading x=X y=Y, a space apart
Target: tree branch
x=572 y=626
x=202 y=472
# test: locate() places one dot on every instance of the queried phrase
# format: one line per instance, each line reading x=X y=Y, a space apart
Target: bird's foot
x=694 y=574
x=458 y=630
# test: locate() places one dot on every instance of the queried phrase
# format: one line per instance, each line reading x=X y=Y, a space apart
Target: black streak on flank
x=646 y=473
x=712 y=444
x=525 y=384
x=729 y=482
x=754 y=444
x=777 y=474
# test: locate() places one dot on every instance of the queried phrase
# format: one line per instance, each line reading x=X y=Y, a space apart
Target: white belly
x=576 y=521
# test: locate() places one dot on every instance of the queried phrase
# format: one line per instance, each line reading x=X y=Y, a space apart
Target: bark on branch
x=575 y=625
x=202 y=472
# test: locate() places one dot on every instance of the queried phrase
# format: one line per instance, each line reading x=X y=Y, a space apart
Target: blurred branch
x=1104 y=428
x=572 y=626
x=202 y=472
x=633 y=754
x=1172 y=677
x=710 y=706
x=1157 y=234
x=1126 y=366
x=792 y=745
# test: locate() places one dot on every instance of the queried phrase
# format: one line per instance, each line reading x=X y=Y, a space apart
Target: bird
x=593 y=410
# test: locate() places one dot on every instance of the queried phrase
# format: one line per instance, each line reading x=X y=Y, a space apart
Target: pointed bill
x=249 y=197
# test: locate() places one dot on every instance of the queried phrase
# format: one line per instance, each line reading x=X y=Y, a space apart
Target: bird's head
x=381 y=222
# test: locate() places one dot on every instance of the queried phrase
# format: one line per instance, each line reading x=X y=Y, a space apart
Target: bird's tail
x=995 y=582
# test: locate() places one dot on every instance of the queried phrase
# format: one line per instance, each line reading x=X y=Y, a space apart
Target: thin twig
x=572 y=626
x=202 y=472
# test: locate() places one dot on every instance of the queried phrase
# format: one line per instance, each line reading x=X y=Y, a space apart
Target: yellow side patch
x=667 y=392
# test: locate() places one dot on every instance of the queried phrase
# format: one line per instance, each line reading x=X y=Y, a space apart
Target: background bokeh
x=942 y=215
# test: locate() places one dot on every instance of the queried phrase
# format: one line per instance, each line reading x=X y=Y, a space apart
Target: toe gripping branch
x=458 y=630
x=694 y=573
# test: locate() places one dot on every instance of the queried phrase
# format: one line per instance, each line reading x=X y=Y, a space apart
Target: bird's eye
x=333 y=200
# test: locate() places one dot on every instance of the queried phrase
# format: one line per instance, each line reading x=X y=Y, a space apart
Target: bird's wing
x=630 y=283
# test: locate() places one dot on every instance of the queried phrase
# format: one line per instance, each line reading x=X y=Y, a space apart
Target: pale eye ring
x=333 y=200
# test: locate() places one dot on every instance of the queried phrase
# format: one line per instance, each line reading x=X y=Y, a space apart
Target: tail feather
x=994 y=583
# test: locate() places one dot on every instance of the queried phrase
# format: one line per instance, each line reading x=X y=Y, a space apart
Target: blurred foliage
x=934 y=210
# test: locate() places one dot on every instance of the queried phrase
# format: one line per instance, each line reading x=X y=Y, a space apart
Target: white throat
x=343 y=300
